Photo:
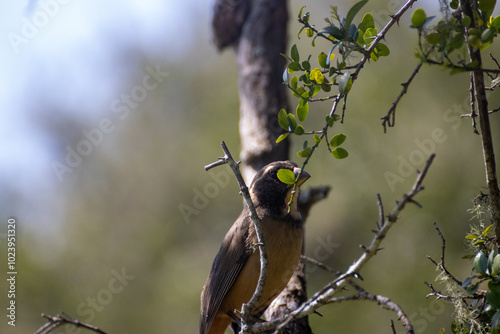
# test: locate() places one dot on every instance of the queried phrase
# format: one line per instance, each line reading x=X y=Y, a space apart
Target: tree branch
x=54 y=322
x=247 y=308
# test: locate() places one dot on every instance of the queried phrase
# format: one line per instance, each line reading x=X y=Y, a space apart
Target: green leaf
x=493 y=298
x=495 y=266
x=299 y=130
x=418 y=18
x=480 y=263
x=486 y=5
x=381 y=50
x=293 y=122
x=488 y=34
x=467 y=281
x=302 y=109
x=353 y=11
x=315 y=90
x=283 y=119
x=337 y=140
x=300 y=11
x=472 y=237
x=345 y=83
x=282 y=137
x=434 y=38
x=367 y=22
x=286 y=176
x=330 y=120
x=293 y=67
x=495 y=23
x=306 y=65
x=316 y=138
x=352 y=32
x=333 y=31
x=322 y=60
x=326 y=88
x=293 y=82
x=340 y=153
x=304 y=144
x=295 y=53
x=305 y=152
x=369 y=35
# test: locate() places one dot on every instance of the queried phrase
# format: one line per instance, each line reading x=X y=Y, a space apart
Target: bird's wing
x=228 y=263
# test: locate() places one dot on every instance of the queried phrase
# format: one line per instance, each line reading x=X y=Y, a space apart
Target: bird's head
x=269 y=193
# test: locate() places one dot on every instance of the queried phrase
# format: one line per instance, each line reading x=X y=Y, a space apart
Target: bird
x=236 y=267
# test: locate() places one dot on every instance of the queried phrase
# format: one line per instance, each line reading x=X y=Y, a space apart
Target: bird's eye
x=273 y=173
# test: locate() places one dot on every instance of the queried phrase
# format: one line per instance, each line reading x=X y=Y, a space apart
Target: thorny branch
x=247 y=308
x=362 y=294
x=324 y=296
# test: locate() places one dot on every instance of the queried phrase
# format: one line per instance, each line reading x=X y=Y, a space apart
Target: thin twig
x=247 y=308
x=383 y=302
x=442 y=264
x=59 y=320
x=390 y=118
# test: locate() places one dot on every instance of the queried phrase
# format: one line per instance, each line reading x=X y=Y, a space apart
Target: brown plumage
x=235 y=270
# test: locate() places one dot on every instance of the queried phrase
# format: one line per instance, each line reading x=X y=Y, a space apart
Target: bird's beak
x=303 y=176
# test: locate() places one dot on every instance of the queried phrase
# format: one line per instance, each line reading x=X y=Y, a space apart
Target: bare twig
x=247 y=308
x=390 y=118
x=441 y=265
x=324 y=296
x=437 y=294
x=60 y=320
x=463 y=68
x=383 y=302
x=489 y=112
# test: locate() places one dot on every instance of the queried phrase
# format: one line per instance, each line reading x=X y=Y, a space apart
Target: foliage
x=347 y=40
x=445 y=43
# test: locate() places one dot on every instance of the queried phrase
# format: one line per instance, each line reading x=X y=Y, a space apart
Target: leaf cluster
x=446 y=42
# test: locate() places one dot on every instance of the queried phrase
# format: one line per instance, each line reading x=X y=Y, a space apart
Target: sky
x=71 y=59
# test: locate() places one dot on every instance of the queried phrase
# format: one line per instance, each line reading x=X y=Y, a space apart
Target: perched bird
x=236 y=268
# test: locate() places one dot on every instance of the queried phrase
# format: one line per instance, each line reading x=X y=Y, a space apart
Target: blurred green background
x=105 y=240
